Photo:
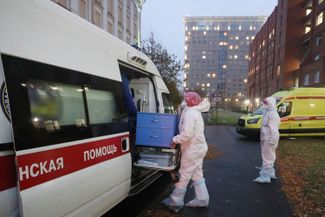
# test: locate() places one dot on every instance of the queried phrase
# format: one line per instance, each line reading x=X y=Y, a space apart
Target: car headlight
x=253 y=121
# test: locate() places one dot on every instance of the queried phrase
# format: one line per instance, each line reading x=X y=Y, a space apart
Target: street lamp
x=139 y=4
x=247 y=104
x=257 y=101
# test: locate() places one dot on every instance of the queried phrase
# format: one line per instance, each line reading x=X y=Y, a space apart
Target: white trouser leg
x=267 y=172
x=268 y=154
x=191 y=166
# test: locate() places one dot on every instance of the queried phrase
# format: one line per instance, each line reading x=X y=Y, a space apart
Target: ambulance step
x=141 y=185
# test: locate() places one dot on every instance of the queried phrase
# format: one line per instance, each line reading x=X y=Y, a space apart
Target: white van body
x=89 y=173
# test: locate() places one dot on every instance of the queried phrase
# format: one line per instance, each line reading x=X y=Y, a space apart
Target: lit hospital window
x=319 y=18
x=308 y=11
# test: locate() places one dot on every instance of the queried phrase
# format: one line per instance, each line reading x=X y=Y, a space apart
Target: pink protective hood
x=192 y=99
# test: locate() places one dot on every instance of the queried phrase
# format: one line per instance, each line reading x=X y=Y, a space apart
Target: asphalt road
x=229 y=180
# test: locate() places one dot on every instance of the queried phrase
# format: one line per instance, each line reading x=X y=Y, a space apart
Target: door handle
x=125 y=144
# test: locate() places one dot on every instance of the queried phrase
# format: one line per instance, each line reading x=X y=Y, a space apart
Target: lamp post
x=139 y=4
x=246 y=104
x=257 y=102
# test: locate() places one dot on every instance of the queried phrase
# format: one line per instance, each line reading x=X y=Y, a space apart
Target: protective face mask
x=264 y=106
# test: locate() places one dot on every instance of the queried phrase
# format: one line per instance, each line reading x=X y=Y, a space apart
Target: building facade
x=288 y=50
x=311 y=72
x=118 y=17
x=261 y=60
x=216 y=53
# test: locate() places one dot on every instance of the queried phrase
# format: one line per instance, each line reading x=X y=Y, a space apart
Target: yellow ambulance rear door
x=309 y=116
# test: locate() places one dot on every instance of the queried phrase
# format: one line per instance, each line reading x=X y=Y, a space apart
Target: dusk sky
x=165 y=17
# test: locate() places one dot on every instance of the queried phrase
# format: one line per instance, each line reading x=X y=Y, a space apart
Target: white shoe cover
x=176 y=199
x=201 y=193
x=198 y=203
x=263 y=179
x=264 y=176
x=272 y=173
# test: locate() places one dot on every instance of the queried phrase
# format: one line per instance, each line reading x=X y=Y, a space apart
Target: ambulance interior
x=140 y=96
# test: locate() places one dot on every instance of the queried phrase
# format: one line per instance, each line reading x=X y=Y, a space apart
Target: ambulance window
x=284 y=109
x=101 y=106
x=259 y=111
x=54 y=105
x=168 y=107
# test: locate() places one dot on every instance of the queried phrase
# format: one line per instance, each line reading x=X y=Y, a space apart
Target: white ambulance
x=69 y=94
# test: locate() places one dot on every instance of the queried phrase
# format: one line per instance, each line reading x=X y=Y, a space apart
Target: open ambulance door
x=150 y=129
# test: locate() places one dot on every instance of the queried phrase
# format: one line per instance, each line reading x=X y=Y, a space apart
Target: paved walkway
x=230 y=177
x=229 y=180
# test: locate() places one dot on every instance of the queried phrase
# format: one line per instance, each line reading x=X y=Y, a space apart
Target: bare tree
x=166 y=63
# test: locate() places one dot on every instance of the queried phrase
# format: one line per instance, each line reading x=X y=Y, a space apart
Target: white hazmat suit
x=193 y=149
x=269 y=140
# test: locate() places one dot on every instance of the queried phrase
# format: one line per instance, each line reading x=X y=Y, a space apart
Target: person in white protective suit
x=193 y=148
x=269 y=140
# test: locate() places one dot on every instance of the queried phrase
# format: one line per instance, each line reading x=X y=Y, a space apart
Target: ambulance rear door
x=309 y=115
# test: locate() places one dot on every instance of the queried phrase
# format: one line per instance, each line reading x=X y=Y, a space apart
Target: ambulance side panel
x=84 y=175
x=68 y=162
x=71 y=146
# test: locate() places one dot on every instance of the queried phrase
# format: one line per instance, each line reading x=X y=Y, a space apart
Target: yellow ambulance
x=302 y=112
